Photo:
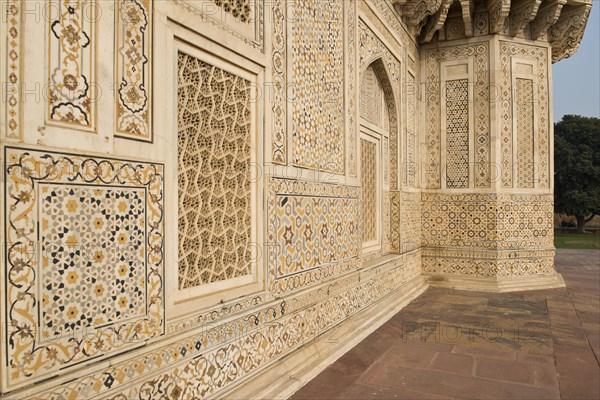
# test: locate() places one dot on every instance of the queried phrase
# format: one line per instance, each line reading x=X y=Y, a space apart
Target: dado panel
x=84 y=265
x=314 y=232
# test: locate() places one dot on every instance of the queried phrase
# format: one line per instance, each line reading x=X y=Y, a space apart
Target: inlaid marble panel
x=457 y=134
x=316 y=65
x=92 y=273
x=133 y=58
x=84 y=251
x=369 y=184
x=313 y=232
x=525 y=133
x=71 y=62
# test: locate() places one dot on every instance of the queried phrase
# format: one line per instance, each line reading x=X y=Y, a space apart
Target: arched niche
x=378 y=158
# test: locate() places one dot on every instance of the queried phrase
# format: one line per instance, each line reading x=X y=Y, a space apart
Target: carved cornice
x=560 y=22
x=566 y=33
x=415 y=12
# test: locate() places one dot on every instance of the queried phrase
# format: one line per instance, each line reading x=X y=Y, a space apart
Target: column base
x=497 y=284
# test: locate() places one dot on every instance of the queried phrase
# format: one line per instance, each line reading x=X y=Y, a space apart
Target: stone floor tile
x=576 y=362
x=534 y=358
x=578 y=389
x=330 y=384
x=367 y=392
x=409 y=355
x=545 y=375
x=548 y=346
x=569 y=337
x=502 y=354
x=459 y=386
x=504 y=370
x=456 y=363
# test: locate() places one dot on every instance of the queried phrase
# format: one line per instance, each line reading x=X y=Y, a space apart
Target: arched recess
x=378 y=65
x=378 y=154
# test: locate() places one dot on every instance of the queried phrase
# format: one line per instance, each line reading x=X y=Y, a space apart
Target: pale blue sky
x=577 y=79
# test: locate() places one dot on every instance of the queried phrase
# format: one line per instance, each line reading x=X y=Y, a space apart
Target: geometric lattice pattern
x=488 y=221
x=458 y=221
x=238 y=8
x=525 y=141
x=90 y=273
x=214 y=155
x=314 y=231
x=316 y=45
x=479 y=53
x=487 y=234
x=371 y=98
x=457 y=133
x=368 y=182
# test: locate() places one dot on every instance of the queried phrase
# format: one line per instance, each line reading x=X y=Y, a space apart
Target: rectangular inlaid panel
x=410 y=222
x=133 y=58
x=368 y=182
x=71 y=62
x=457 y=134
x=316 y=51
x=508 y=98
x=525 y=133
x=84 y=260
x=410 y=166
x=314 y=231
x=480 y=131
x=91 y=274
x=214 y=161
x=487 y=221
x=12 y=79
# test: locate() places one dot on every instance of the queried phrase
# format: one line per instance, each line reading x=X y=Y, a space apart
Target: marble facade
x=201 y=194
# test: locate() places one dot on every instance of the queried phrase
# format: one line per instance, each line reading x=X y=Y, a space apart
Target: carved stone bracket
x=521 y=13
x=498 y=10
x=547 y=16
x=567 y=32
x=435 y=22
x=468 y=7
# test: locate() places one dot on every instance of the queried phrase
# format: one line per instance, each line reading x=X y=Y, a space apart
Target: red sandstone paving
x=451 y=344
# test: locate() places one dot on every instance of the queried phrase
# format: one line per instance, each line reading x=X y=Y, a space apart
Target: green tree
x=577 y=168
